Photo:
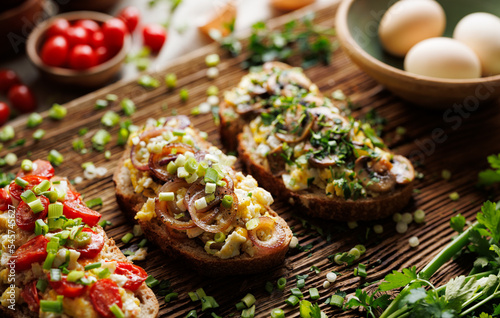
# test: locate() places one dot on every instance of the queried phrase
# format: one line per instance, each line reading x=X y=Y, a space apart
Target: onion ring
x=166 y=210
x=277 y=239
x=158 y=161
x=182 y=121
x=145 y=136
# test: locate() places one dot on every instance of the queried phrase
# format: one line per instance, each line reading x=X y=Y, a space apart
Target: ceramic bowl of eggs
x=434 y=53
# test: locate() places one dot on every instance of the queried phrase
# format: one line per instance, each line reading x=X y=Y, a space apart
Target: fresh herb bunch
x=314 y=43
x=463 y=296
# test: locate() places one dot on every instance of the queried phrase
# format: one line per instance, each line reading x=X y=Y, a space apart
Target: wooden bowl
x=94 y=76
x=16 y=20
x=357 y=24
x=88 y=5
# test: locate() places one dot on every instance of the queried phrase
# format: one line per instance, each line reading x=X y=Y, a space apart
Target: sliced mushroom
x=325 y=162
x=245 y=110
x=326 y=119
x=276 y=161
x=318 y=101
x=296 y=78
x=375 y=176
x=402 y=169
x=296 y=127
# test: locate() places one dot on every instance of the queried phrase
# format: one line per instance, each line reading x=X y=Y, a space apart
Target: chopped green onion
x=92 y=266
x=55 y=157
x=212 y=90
x=100 y=139
x=127 y=237
x=116 y=311
x=360 y=270
x=38 y=134
x=101 y=104
x=83 y=131
x=305 y=309
x=40 y=227
x=47 y=264
x=104 y=223
x=240 y=306
x=336 y=300
x=248 y=313
x=292 y=300
x=201 y=292
x=219 y=237
x=193 y=296
x=7 y=133
x=128 y=106
x=281 y=283
x=42 y=284
x=34 y=119
x=148 y=81
x=192 y=314
x=27 y=165
x=104 y=273
x=36 y=206
x=269 y=287
x=93 y=202
x=171 y=296
x=248 y=300
x=446 y=174
x=79 y=145
x=171 y=80
x=419 y=216
x=10 y=159
x=301 y=283
x=57 y=112
x=205 y=303
x=41 y=187
x=110 y=119
x=277 y=313
x=151 y=281
x=191 y=165
x=107 y=155
x=361 y=248
x=454 y=196
x=73 y=276
x=52 y=305
x=227 y=201
x=184 y=94
x=142 y=243
x=111 y=97
x=313 y=292
x=55 y=274
x=212 y=60
x=123 y=134
x=21 y=182
x=296 y=292
x=55 y=210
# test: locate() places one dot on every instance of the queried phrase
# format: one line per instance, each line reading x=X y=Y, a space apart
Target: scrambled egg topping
x=252 y=200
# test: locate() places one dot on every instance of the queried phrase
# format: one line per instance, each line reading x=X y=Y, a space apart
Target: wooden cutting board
x=457 y=140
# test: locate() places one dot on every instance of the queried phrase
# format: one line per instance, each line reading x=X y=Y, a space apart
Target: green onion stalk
x=432 y=267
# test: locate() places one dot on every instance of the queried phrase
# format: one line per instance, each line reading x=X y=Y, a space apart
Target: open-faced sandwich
x=297 y=144
x=187 y=198
x=56 y=260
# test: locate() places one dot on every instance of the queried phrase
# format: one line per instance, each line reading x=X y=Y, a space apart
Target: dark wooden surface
x=462 y=149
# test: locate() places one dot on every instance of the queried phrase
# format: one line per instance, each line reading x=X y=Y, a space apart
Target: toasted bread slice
x=192 y=251
x=298 y=145
x=28 y=269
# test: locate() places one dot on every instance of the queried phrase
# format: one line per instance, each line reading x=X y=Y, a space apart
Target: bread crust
x=188 y=250
x=315 y=202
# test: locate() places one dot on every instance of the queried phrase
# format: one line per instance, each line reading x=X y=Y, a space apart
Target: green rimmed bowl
x=357 y=24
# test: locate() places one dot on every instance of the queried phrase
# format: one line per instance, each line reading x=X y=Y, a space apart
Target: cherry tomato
x=55 y=51
x=22 y=98
x=71 y=196
x=75 y=208
x=33 y=251
x=135 y=274
x=103 y=54
x=8 y=78
x=97 y=39
x=30 y=296
x=4 y=113
x=67 y=289
x=90 y=25
x=77 y=35
x=154 y=36
x=114 y=31
x=25 y=218
x=5 y=200
x=58 y=27
x=103 y=294
x=41 y=168
x=94 y=247
x=16 y=190
x=131 y=16
x=82 y=57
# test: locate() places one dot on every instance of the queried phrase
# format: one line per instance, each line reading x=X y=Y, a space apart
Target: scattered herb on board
x=312 y=42
x=490 y=176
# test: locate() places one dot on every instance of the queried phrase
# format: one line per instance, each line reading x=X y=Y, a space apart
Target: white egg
x=481 y=32
x=408 y=22
x=444 y=58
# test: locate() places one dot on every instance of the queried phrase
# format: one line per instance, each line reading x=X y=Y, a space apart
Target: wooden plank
x=463 y=153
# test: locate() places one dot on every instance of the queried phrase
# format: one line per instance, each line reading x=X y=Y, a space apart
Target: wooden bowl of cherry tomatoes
x=82 y=48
